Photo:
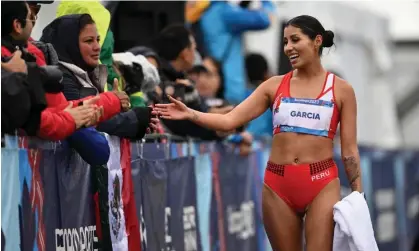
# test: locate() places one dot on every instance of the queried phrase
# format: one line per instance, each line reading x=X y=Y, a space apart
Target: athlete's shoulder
x=343 y=88
x=342 y=83
x=271 y=84
x=277 y=78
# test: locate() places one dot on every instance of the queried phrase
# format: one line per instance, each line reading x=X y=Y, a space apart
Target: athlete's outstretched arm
x=348 y=137
x=252 y=107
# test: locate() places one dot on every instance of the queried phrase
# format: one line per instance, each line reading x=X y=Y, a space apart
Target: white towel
x=353 y=229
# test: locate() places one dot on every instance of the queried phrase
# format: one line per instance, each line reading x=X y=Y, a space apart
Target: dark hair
x=10 y=11
x=32 y=2
x=198 y=69
x=171 y=41
x=85 y=19
x=312 y=27
x=245 y=4
x=256 y=67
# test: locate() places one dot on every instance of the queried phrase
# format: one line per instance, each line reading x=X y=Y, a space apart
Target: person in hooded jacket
x=76 y=41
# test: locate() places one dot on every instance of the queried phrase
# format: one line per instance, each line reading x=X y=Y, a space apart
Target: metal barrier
x=173 y=196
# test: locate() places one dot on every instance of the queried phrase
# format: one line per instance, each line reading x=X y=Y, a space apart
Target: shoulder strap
x=329 y=82
x=327 y=92
x=280 y=90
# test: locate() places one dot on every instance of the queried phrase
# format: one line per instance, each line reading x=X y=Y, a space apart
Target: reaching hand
x=173 y=111
x=123 y=97
x=154 y=121
x=245 y=149
x=81 y=114
x=247 y=137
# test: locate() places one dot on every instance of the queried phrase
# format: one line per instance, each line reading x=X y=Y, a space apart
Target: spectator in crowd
x=215 y=69
x=208 y=88
x=35 y=7
x=58 y=121
x=221 y=26
x=257 y=72
x=209 y=82
x=102 y=18
x=48 y=51
x=175 y=46
x=76 y=41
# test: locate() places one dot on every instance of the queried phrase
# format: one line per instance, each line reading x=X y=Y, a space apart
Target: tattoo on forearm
x=195 y=116
x=352 y=171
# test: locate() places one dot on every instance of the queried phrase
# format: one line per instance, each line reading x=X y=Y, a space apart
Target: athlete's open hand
x=173 y=111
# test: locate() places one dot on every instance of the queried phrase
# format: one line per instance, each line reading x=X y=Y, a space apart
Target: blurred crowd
x=71 y=86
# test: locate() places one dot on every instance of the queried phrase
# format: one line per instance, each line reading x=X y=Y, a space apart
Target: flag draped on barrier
x=116 y=214
x=174 y=198
x=115 y=203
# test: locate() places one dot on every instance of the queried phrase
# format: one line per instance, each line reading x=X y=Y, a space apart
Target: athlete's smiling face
x=299 y=48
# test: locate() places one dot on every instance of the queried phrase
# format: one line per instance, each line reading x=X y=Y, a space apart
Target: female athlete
x=301 y=178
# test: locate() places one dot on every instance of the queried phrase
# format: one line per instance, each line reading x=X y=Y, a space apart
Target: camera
x=174 y=90
x=133 y=75
x=51 y=77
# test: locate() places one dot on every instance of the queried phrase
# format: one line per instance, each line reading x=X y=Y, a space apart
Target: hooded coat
x=78 y=77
